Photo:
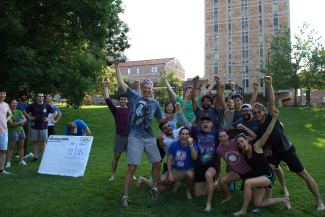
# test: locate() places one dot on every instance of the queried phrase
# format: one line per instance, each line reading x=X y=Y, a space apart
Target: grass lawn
x=27 y=193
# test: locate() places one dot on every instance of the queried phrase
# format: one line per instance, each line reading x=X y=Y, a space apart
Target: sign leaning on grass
x=66 y=155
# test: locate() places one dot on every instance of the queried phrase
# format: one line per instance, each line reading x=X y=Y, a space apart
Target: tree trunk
x=295 y=97
x=308 y=93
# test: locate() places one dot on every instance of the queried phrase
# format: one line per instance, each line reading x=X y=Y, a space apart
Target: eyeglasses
x=244 y=111
x=237 y=100
x=258 y=112
x=241 y=135
x=147 y=81
x=166 y=127
x=236 y=95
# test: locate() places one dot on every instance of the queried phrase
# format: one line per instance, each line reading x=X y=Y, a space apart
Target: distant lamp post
x=268 y=70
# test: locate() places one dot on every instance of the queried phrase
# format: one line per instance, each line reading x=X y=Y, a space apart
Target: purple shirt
x=121 y=116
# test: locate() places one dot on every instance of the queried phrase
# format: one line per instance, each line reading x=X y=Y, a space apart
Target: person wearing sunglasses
x=40 y=111
x=141 y=138
x=279 y=146
x=263 y=175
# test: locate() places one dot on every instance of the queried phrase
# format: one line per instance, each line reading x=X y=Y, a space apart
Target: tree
x=108 y=75
x=119 y=89
x=58 y=46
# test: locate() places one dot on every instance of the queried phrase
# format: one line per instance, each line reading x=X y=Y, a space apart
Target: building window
x=216 y=28
x=260 y=9
x=229 y=12
x=229 y=54
x=275 y=21
x=261 y=38
x=215 y=2
x=216 y=56
x=129 y=71
x=261 y=24
x=216 y=70
x=275 y=7
x=229 y=1
x=244 y=39
x=244 y=24
x=229 y=26
x=261 y=52
x=216 y=41
x=229 y=69
x=245 y=83
x=247 y=69
x=261 y=67
x=216 y=14
x=229 y=40
x=153 y=69
x=245 y=53
x=138 y=70
x=244 y=11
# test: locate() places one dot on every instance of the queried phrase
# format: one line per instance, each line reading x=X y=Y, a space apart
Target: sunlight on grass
x=320 y=143
x=309 y=125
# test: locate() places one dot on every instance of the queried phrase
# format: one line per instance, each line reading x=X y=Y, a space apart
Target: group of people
x=251 y=141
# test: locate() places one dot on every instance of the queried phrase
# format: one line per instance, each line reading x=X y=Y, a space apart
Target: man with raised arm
x=121 y=117
x=188 y=112
x=279 y=146
x=216 y=114
x=141 y=138
x=207 y=167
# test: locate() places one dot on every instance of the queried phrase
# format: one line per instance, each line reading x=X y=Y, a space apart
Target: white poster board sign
x=66 y=155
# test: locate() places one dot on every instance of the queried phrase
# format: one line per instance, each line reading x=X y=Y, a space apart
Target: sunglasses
x=241 y=135
x=147 y=81
x=258 y=112
x=166 y=127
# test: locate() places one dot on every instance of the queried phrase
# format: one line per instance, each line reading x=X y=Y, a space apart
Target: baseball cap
x=246 y=105
x=205 y=118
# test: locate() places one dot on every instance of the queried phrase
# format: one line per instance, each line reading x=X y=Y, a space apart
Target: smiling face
x=206 y=125
x=13 y=104
x=169 y=108
x=206 y=104
x=189 y=91
x=23 y=97
x=2 y=96
x=237 y=102
x=246 y=113
x=167 y=129
x=122 y=101
x=147 y=90
x=242 y=143
x=183 y=136
x=48 y=100
x=259 y=114
x=223 y=138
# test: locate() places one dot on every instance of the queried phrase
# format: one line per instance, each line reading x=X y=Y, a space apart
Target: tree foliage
x=58 y=46
x=119 y=90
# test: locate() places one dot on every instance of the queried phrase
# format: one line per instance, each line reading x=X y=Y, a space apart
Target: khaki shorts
x=180 y=175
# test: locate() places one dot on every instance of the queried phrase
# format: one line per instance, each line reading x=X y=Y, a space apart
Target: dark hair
x=172 y=105
x=23 y=93
x=188 y=87
x=238 y=136
x=237 y=96
x=10 y=100
x=40 y=93
x=161 y=125
x=208 y=97
x=184 y=128
x=71 y=126
x=2 y=89
x=121 y=95
x=223 y=130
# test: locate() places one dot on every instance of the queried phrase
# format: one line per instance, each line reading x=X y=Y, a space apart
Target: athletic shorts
x=270 y=176
x=3 y=142
x=180 y=175
x=15 y=136
x=246 y=175
x=200 y=171
x=137 y=145
x=38 y=135
x=120 y=143
x=289 y=157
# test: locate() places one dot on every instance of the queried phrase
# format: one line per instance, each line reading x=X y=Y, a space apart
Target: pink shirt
x=233 y=157
x=4 y=111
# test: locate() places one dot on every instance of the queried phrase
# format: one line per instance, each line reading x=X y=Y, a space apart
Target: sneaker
x=8 y=164
x=29 y=155
x=151 y=179
x=23 y=163
x=155 y=194
x=4 y=172
x=125 y=201
x=17 y=156
x=35 y=159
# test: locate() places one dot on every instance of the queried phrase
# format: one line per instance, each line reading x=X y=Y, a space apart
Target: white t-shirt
x=4 y=111
x=169 y=141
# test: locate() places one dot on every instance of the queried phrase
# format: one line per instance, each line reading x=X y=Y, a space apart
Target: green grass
x=27 y=193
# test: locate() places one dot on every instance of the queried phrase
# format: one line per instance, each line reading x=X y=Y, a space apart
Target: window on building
x=216 y=70
x=153 y=69
x=275 y=21
x=229 y=12
x=229 y=54
x=216 y=14
x=276 y=34
x=216 y=28
x=229 y=40
x=244 y=24
x=245 y=53
x=215 y=2
x=129 y=71
x=244 y=69
x=229 y=69
x=261 y=52
x=275 y=7
x=229 y=26
x=244 y=39
x=260 y=23
x=138 y=70
x=261 y=67
x=216 y=56
x=245 y=83
x=229 y=1
x=298 y=92
x=247 y=69
x=216 y=41
x=260 y=9
x=244 y=11
x=261 y=38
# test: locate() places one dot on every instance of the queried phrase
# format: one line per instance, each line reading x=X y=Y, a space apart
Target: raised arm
x=254 y=96
x=161 y=138
x=204 y=88
x=259 y=144
x=194 y=102
x=218 y=99
x=251 y=135
x=182 y=117
x=271 y=105
x=230 y=117
x=119 y=76
x=105 y=84
x=233 y=87
x=222 y=97
x=193 y=151
x=187 y=95
x=137 y=82
x=169 y=88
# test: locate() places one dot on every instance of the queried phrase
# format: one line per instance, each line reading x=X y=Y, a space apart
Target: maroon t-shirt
x=233 y=157
x=121 y=116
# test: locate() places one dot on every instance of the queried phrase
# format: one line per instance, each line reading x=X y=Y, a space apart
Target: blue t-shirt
x=21 y=107
x=81 y=126
x=142 y=112
x=207 y=144
x=183 y=158
x=171 y=123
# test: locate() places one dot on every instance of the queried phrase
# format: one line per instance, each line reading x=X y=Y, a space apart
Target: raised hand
x=170 y=117
x=137 y=82
x=268 y=79
x=206 y=81
x=178 y=106
x=190 y=141
x=161 y=137
x=163 y=75
x=240 y=127
x=116 y=61
x=222 y=87
x=217 y=79
x=275 y=113
x=256 y=85
x=196 y=79
x=232 y=85
x=106 y=83
x=231 y=103
x=226 y=112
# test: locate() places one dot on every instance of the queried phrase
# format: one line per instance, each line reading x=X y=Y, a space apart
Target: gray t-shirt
x=216 y=117
x=142 y=112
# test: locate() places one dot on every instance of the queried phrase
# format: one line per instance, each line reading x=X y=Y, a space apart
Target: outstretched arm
x=137 y=82
x=187 y=95
x=230 y=117
x=204 y=88
x=193 y=151
x=194 y=103
x=233 y=87
x=254 y=96
x=105 y=84
x=259 y=144
x=271 y=105
x=119 y=77
x=161 y=138
x=222 y=97
x=182 y=117
x=251 y=135
x=169 y=88
x=218 y=99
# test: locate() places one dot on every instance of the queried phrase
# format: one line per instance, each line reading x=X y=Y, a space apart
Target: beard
x=206 y=107
x=247 y=117
x=23 y=99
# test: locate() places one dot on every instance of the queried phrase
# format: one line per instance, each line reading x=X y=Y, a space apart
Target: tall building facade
x=235 y=39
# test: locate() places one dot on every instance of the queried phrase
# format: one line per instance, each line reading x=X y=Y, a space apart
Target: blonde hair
x=259 y=106
x=48 y=95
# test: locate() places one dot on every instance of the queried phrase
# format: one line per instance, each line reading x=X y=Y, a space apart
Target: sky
x=175 y=28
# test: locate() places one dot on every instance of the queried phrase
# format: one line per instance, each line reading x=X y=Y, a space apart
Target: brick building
x=235 y=33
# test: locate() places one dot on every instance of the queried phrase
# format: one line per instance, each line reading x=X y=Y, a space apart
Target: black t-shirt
x=234 y=133
x=40 y=112
x=277 y=139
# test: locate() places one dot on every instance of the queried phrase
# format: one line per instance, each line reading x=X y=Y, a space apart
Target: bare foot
x=176 y=186
x=320 y=207
x=208 y=208
x=111 y=179
x=225 y=200
x=134 y=177
x=285 y=192
x=239 y=213
x=286 y=202
x=188 y=195
x=139 y=184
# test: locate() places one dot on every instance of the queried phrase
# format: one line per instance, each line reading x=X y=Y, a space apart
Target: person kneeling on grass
x=262 y=171
x=77 y=128
x=180 y=163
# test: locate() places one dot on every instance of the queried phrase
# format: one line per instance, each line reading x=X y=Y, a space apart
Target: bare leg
x=20 y=145
x=114 y=164
x=313 y=188
x=43 y=145
x=209 y=176
x=155 y=173
x=279 y=174
x=199 y=189
x=9 y=151
x=189 y=183
x=35 y=146
x=224 y=180
x=129 y=178
x=259 y=202
x=2 y=159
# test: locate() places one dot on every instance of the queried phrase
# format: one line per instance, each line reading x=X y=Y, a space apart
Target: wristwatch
x=191 y=145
